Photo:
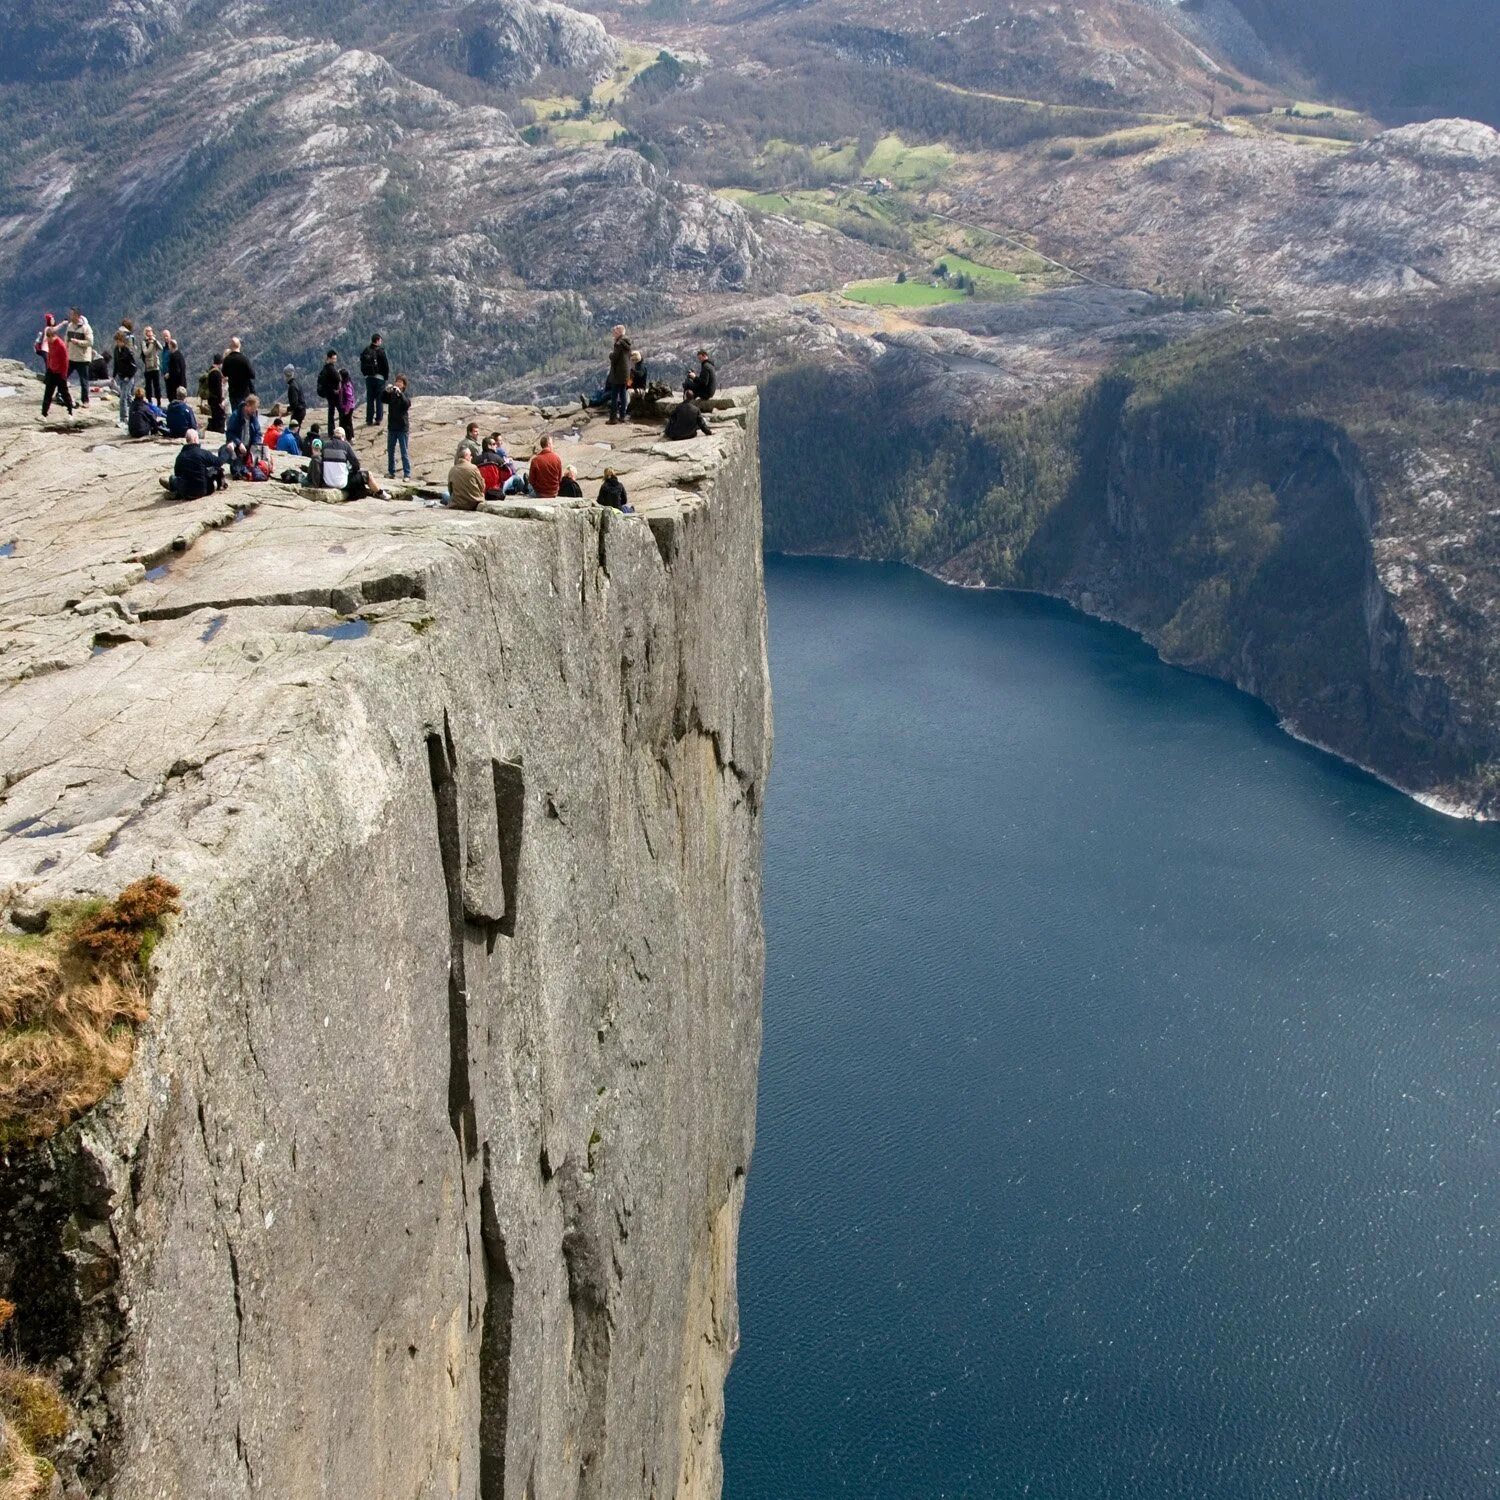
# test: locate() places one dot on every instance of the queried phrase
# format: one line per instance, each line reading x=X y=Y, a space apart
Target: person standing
x=44 y=338
x=217 y=412
x=123 y=369
x=296 y=402
x=80 y=340
x=55 y=382
x=347 y=403
x=176 y=364
x=376 y=368
x=239 y=375
x=398 y=428
x=328 y=387
x=619 y=376
x=151 y=352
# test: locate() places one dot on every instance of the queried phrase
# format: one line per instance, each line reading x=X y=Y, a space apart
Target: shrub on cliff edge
x=71 y=999
x=34 y=1419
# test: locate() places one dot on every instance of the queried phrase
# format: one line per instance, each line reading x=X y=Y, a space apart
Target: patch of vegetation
x=985 y=280
x=71 y=998
x=907 y=166
x=894 y=293
x=34 y=1420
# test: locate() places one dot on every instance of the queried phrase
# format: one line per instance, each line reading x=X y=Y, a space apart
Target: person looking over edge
x=55 y=382
x=618 y=383
x=546 y=471
x=179 y=414
x=151 y=351
x=686 y=423
x=470 y=442
x=704 y=385
x=296 y=402
x=398 y=429
x=196 y=473
x=376 y=369
x=328 y=387
x=80 y=339
x=176 y=364
x=215 y=392
x=612 y=494
x=465 y=482
x=239 y=374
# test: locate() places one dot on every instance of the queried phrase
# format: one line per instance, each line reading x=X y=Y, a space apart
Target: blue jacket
x=180 y=419
x=247 y=434
x=287 y=443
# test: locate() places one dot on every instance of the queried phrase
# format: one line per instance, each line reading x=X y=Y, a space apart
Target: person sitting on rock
x=490 y=471
x=640 y=377
x=470 y=443
x=56 y=379
x=179 y=414
x=140 y=420
x=290 y=441
x=612 y=494
x=704 y=385
x=244 y=426
x=546 y=471
x=196 y=473
x=342 y=470
x=570 y=489
x=465 y=482
x=686 y=422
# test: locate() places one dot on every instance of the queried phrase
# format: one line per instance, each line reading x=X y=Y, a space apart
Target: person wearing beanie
x=296 y=402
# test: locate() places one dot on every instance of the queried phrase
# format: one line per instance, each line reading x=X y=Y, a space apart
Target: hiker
x=398 y=429
x=274 y=432
x=328 y=387
x=465 y=483
x=151 y=352
x=176 y=372
x=640 y=378
x=124 y=362
x=376 y=369
x=296 y=402
x=141 y=420
x=545 y=473
x=340 y=469
x=612 y=494
x=55 y=382
x=239 y=374
x=618 y=384
x=179 y=414
x=703 y=386
x=42 y=339
x=686 y=422
x=347 y=404
x=244 y=426
x=214 y=392
x=313 y=437
x=290 y=441
x=470 y=441
x=490 y=471
x=570 y=489
x=197 y=472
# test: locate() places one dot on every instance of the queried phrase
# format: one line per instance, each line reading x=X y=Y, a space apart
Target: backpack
x=367 y=362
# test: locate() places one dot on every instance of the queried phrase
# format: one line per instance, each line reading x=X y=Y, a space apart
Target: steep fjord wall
x=426 y=1180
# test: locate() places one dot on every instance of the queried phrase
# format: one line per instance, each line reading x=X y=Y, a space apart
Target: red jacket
x=492 y=478
x=57 y=357
x=546 y=474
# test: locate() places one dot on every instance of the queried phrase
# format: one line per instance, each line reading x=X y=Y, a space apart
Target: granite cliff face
x=427 y=1176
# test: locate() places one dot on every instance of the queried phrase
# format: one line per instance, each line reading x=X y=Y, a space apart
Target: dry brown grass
x=70 y=1002
x=34 y=1419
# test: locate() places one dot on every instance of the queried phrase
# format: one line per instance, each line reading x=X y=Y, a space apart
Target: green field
x=907 y=166
x=901 y=294
x=986 y=278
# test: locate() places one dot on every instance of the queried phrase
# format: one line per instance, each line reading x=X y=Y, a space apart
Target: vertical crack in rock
x=588 y=1262
x=510 y=818
x=440 y=764
x=494 y=1347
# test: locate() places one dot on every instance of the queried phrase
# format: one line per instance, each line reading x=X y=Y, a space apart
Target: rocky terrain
x=427 y=1174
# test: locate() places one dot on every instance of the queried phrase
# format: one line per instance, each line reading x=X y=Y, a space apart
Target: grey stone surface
x=427 y=1179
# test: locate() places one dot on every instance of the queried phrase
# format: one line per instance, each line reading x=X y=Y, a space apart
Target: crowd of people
x=147 y=375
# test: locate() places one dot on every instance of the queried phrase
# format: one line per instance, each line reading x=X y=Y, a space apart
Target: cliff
x=427 y=1174
x=1305 y=507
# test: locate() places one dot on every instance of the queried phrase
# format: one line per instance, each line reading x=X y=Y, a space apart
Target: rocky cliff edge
x=427 y=1175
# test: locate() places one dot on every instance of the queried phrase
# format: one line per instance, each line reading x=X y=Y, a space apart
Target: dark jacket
x=397 y=410
x=373 y=362
x=704 y=386
x=239 y=376
x=612 y=493
x=179 y=419
x=243 y=428
x=141 y=421
x=619 y=362
x=176 y=374
x=124 y=358
x=216 y=388
x=328 y=382
x=296 y=402
x=336 y=450
x=196 y=471
x=570 y=489
x=686 y=422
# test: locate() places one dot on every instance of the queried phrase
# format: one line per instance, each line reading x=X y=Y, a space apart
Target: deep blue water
x=1130 y=1107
